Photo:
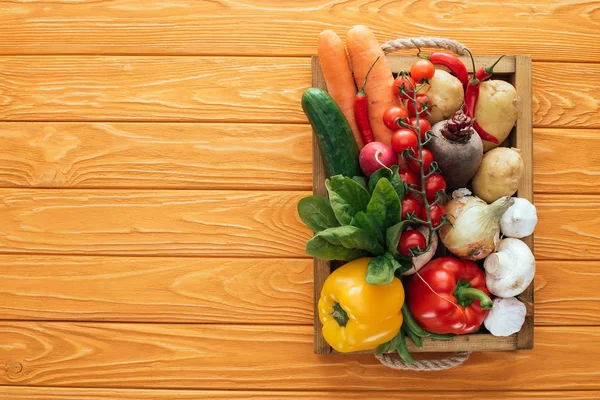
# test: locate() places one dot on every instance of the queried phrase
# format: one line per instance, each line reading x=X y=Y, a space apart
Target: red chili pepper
x=483 y=134
x=486 y=71
x=361 y=110
x=449 y=296
x=453 y=64
x=472 y=96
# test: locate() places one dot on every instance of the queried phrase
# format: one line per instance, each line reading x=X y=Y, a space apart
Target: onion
x=474 y=228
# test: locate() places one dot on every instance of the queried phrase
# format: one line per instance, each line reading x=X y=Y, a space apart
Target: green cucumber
x=339 y=150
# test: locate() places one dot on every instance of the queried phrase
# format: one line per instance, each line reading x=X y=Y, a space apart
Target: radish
x=376 y=155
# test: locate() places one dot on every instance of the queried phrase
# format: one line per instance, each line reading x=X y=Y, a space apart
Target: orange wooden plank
x=156 y=289
x=268 y=357
x=217 y=89
x=222 y=223
x=558 y=30
x=53 y=393
x=144 y=155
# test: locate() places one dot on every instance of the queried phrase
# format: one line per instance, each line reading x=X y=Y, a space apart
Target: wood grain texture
x=566 y=161
x=522 y=138
x=214 y=290
x=568 y=227
x=128 y=222
x=556 y=105
x=559 y=30
x=206 y=290
x=152 y=88
x=53 y=393
x=566 y=293
x=260 y=357
x=217 y=89
x=166 y=155
x=226 y=156
x=223 y=223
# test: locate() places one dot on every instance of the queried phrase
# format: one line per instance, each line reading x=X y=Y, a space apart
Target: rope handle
x=424 y=365
x=429 y=42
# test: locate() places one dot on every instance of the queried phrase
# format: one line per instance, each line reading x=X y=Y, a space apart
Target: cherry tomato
x=404 y=139
x=391 y=116
x=410 y=239
x=422 y=69
x=433 y=184
x=415 y=167
x=408 y=177
x=421 y=100
x=424 y=126
x=436 y=211
x=409 y=87
x=410 y=204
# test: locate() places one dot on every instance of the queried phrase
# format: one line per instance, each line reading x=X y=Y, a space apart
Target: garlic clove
x=506 y=317
x=510 y=270
x=519 y=220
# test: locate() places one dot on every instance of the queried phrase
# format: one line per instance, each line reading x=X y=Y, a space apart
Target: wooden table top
x=152 y=154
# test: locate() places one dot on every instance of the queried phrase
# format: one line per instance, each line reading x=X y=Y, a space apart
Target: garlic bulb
x=519 y=220
x=506 y=317
x=420 y=261
x=510 y=270
x=474 y=230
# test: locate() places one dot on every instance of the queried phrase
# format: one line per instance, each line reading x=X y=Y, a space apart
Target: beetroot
x=457 y=148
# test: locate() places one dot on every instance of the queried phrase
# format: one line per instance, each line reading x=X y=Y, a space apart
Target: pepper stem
x=339 y=314
x=362 y=89
x=490 y=69
x=465 y=295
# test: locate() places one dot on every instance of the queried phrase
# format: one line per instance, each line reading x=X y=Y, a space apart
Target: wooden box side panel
x=518 y=71
x=322 y=268
x=523 y=140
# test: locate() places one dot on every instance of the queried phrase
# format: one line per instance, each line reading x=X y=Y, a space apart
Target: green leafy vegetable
x=369 y=223
x=392 y=237
x=316 y=213
x=380 y=270
x=384 y=204
x=347 y=198
x=344 y=243
x=393 y=177
x=361 y=180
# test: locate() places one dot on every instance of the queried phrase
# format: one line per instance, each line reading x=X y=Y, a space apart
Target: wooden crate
x=516 y=70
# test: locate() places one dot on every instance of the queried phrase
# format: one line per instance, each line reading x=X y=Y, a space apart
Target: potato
x=499 y=174
x=496 y=110
x=446 y=92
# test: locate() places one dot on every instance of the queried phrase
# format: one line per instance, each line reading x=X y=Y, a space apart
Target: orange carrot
x=340 y=83
x=363 y=49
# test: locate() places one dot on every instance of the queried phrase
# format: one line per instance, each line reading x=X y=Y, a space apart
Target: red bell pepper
x=449 y=296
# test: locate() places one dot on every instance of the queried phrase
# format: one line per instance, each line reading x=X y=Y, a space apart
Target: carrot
x=340 y=83
x=363 y=49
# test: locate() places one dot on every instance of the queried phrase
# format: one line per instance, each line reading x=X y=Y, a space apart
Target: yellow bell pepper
x=356 y=315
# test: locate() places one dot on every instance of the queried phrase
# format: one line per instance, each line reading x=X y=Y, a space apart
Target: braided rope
x=424 y=365
x=429 y=42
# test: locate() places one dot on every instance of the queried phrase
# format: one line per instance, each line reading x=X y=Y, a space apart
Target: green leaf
x=405 y=264
x=344 y=243
x=361 y=180
x=316 y=213
x=392 y=237
x=347 y=198
x=380 y=270
x=393 y=177
x=384 y=204
x=369 y=223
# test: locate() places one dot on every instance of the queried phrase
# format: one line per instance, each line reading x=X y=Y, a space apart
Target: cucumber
x=339 y=150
